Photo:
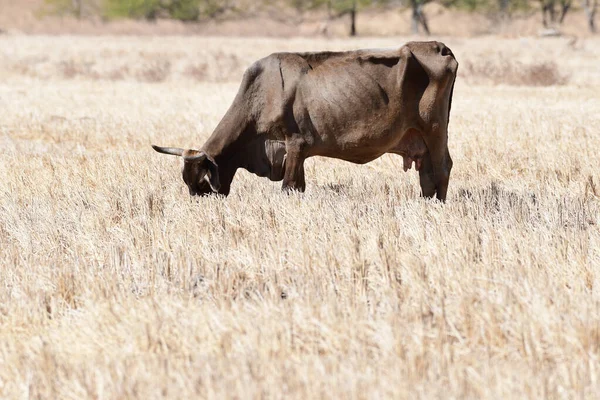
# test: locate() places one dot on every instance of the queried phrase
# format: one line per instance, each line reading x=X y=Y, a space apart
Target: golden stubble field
x=115 y=284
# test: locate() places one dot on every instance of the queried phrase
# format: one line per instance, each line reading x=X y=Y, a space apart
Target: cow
x=352 y=105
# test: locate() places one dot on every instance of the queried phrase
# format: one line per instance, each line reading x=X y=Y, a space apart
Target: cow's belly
x=358 y=146
x=365 y=145
x=355 y=139
x=357 y=157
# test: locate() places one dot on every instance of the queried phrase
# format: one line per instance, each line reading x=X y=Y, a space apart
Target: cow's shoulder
x=260 y=73
x=275 y=64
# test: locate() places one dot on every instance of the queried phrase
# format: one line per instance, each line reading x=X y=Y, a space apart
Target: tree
x=76 y=8
x=338 y=8
x=504 y=7
x=418 y=16
x=147 y=9
x=347 y=7
x=590 y=7
x=550 y=16
x=183 y=10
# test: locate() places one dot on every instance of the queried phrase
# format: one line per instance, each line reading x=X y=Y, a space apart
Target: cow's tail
x=450 y=100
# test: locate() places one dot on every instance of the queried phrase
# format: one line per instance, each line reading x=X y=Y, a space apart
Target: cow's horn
x=199 y=156
x=175 y=151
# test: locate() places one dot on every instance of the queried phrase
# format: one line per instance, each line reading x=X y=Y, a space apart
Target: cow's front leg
x=293 y=178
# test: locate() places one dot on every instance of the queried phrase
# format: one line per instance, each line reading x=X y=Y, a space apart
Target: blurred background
x=287 y=18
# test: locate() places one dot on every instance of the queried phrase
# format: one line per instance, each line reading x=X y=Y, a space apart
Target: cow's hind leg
x=293 y=178
x=435 y=171
x=426 y=178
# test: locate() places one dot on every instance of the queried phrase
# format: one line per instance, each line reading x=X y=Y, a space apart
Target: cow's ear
x=276 y=154
x=213 y=173
x=412 y=77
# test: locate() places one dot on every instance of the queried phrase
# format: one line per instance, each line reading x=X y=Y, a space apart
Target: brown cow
x=355 y=106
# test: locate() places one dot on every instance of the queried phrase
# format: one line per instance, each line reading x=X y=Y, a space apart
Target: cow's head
x=200 y=172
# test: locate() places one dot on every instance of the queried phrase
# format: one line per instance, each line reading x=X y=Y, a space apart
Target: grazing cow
x=354 y=105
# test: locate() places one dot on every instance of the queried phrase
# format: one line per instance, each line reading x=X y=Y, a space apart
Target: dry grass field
x=116 y=284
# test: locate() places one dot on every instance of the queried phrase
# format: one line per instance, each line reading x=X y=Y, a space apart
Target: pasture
x=116 y=284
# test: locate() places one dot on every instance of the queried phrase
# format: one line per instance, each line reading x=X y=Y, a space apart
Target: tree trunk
x=565 y=6
x=548 y=13
x=418 y=17
x=77 y=8
x=415 y=17
x=504 y=8
x=423 y=20
x=353 y=19
x=590 y=12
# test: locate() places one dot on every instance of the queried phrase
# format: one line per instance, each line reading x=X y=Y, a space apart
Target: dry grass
x=117 y=285
x=545 y=73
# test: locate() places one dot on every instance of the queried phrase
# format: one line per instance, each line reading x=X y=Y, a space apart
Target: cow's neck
x=254 y=153
x=226 y=143
x=257 y=155
x=232 y=133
